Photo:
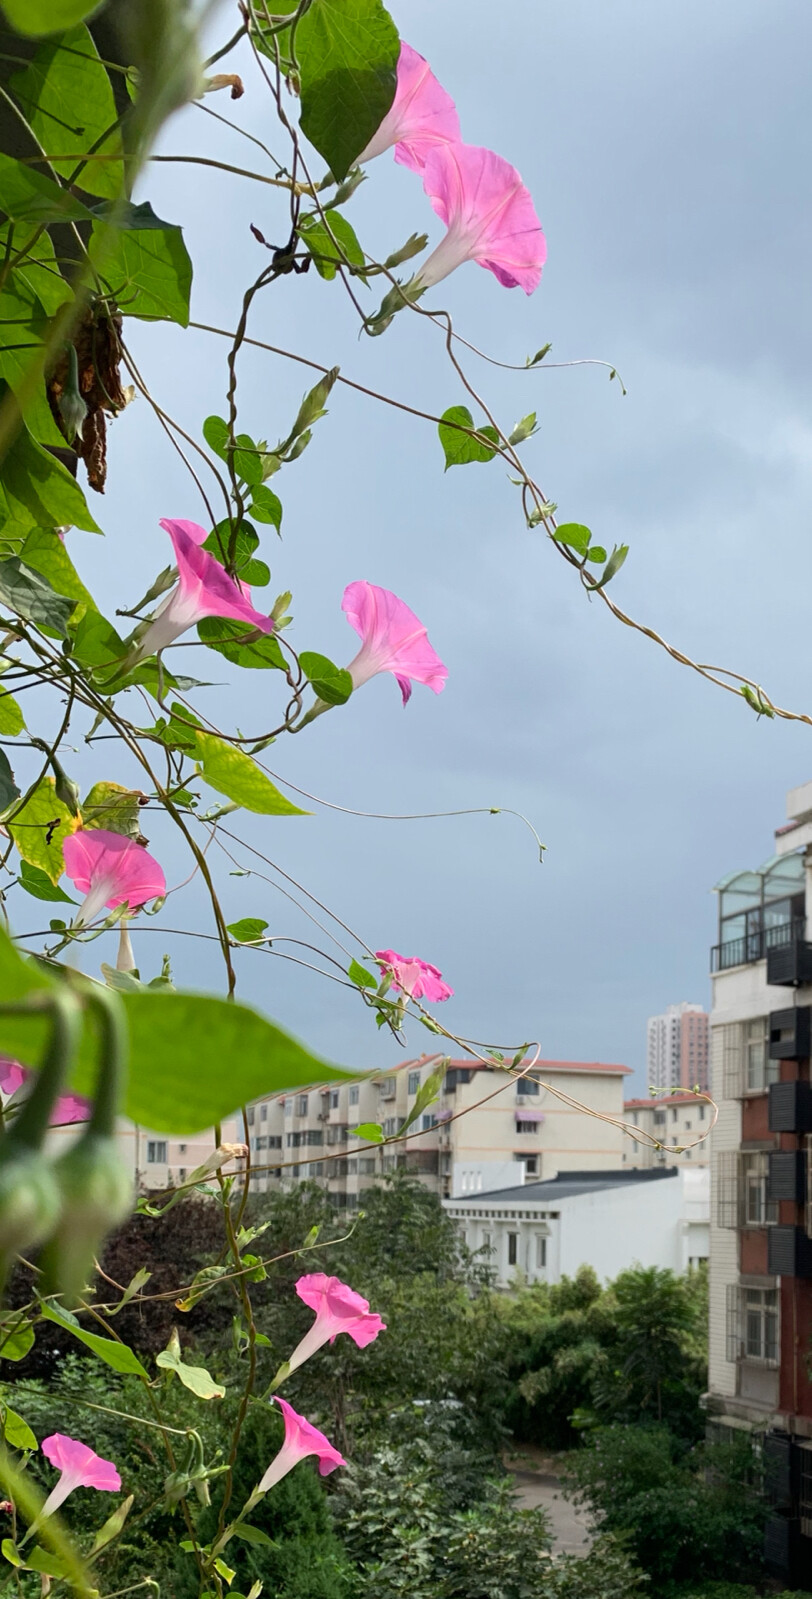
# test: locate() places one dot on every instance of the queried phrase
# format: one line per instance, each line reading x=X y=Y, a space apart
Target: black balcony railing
x=754 y=947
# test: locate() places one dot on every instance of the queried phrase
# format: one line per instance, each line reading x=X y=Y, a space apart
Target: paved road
x=536 y=1489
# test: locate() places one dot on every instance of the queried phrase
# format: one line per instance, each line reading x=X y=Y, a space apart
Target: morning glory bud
x=29 y=1193
x=72 y=407
x=95 y=1191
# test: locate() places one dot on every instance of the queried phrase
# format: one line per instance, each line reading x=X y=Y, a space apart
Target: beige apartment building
x=488 y=1128
x=677 y=1122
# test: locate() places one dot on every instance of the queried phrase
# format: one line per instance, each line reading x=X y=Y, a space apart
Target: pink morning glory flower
x=203 y=588
x=489 y=215
x=80 y=1468
x=421 y=115
x=110 y=870
x=69 y=1108
x=415 y=978
x=392 y=640
x=301 y=1439
x=338 y=1310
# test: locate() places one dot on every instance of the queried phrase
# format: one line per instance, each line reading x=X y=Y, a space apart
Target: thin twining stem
x=239 y=172
x=712 y=674
x=407 y=816
x=217 y=829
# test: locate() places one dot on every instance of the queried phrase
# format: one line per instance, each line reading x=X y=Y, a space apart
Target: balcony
x=758 y=945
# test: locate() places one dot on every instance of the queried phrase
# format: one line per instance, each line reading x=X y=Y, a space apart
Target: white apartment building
x=677 y=1121
x=484 y=1120
x=761 y=1177
x=677 y=1048
x=610 y=1220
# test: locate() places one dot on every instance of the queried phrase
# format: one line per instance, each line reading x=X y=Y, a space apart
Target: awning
x=529 y=1116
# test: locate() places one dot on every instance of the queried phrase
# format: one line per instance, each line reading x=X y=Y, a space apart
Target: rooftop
x=539 y=1069
x=567 y=1184
x=654 y=1101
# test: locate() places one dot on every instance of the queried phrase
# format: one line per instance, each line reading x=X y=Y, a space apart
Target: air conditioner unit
x=789 y=1252
x=790 y=964
x=790 y=1033
x=786 y=1175
x=781 y=1458
x=783 y=1548
x=790 y=1107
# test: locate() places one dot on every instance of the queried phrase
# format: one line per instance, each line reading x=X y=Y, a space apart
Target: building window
x=746 y=1066
x=354 y=1092
x=526 y=1127
x=759 y=1069
x=513 y=1248
x=263 y=1113
x=541 y=1252
x=674 y=1114
x=251 y=1114
x=366 y=1165
x=531 y=1165
x=757 y=1210
x=527 y=1085
x=156 y=1152
x=702 y=1110
x=428 y=1122
x=351 y=1166
x=334 y=1095
x=486 y=1241
x=275 y=1141
x=413 y=1083
x=260 y=1143
x=288 y=1107
x=726 y=1187
x=315 y=1139
x=752 y=1324
x=301 y=1105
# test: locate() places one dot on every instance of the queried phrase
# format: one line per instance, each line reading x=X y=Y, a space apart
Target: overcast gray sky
x=667 y=149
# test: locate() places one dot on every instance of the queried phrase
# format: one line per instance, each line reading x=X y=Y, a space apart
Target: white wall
x=484 y=1176
x=659 y=1223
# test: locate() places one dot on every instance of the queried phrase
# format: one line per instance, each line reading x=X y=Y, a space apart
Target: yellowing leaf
x=39 y=828
x=195 y=1378
x=234 y=774
x=110 y=806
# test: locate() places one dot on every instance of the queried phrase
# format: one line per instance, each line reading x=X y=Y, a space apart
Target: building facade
x=677 y=1121
x=677 y=1048
x=761 y=1220
x=609 y=1220
x=485 y=1125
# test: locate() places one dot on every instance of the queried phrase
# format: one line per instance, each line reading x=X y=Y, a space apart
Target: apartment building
x=677 y=1048
x=761 y=1218
x=675 y=1121
x=485 y=1125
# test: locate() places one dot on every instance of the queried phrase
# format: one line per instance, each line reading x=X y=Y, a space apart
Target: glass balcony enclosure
x=759 y=911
